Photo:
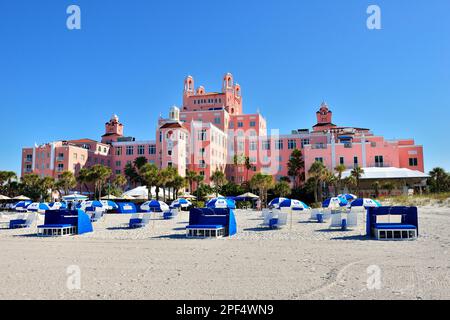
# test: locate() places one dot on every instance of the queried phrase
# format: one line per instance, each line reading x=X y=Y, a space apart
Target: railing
x=319 y=146
x=383 y=164
x=59 y=158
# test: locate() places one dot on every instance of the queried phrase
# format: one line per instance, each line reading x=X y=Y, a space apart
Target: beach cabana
x=221 y=203
x=154 y=206
x=275 y=203
x=181 y=203
x=65 y=223
x=392 y=223
x=348 y=196
x=38 y=207
x=366 y=203
x=211 y=223
x=2 y=197
x=126 y=208
x=334 y=203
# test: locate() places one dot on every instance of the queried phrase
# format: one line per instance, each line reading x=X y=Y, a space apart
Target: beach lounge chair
x=23 y=223
x=352 y=219
x=171 y=214
x=280 y=220
x=140 y=221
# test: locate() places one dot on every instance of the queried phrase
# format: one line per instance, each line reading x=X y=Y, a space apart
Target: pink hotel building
x=210 y=128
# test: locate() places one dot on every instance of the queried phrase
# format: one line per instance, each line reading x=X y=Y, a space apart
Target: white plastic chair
x=352 y=218
x=268 y=214
x=336 y=219
x=282 y=218
x=314 y=213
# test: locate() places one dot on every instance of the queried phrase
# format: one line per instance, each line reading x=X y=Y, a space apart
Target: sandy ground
x=305 y=261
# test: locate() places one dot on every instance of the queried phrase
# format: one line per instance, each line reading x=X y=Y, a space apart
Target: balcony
x=59 y=158
x=319 y=146
x=383 y=164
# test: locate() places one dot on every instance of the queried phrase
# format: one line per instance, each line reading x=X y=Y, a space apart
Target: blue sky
x=131 y=57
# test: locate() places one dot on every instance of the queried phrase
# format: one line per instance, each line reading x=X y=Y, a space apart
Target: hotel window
x=252 y=123
x=341 y=160
x=28 y=169
x=413 y=162
x=141 y=150
x=252 y=145
x=118 y=172
x=99 y=149
x=292 y=144
x=60 y=156
x=152 y=149
x=240 y=124
x=319 y=160
x=130 y=150
x=169 y=164
x=241 y=146
x=82 y=157
x=29 y=158
x=305 y=142
x=379 y=161
x=118 y=163
x=279 y=145
x=231 y=125
x=252 y=159
x=355 y=161
x=266 y=145
x=202 y=164
x=202 y=135
x=75 y=156
x=202 y=152
x=217 y=120
x=119 y=151
x=60 y=167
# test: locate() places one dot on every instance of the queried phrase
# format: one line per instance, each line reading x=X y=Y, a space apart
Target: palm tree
x=178 y=183
x=149 y=176
x=199 y=179
x=120 y=182
x=262 y=183
x=282 y=189
x=83 y=179
x=357 y=172
x=165 y=177
x=316 y=172
x=439 y=180
x=99 y=174
x=247 y=166
x=190 y=178
x=219 y=180
x=296 y=167
x=339 y=170
x=66 y=182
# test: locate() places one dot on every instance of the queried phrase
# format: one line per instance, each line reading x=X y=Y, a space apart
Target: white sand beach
x=305 y=261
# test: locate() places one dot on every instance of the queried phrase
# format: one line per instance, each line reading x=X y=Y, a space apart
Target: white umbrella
x=4 y=197
x=248 y=195
x=21 y=198
x=75 y=197
x=109 y=197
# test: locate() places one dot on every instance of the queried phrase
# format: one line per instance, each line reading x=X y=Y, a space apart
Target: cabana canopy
x=38 y=207
x=221 y=203
x=248 y=195
x=366 y=203
x=21 y=198
x=2 y=197
x=109 y=197
x=155 y=206
x=334 y=202
x=294 y=204
x=181 y=202
x=75 y=197
x=275 y=203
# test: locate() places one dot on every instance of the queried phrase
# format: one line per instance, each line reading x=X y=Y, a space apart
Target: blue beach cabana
x=211 y=223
